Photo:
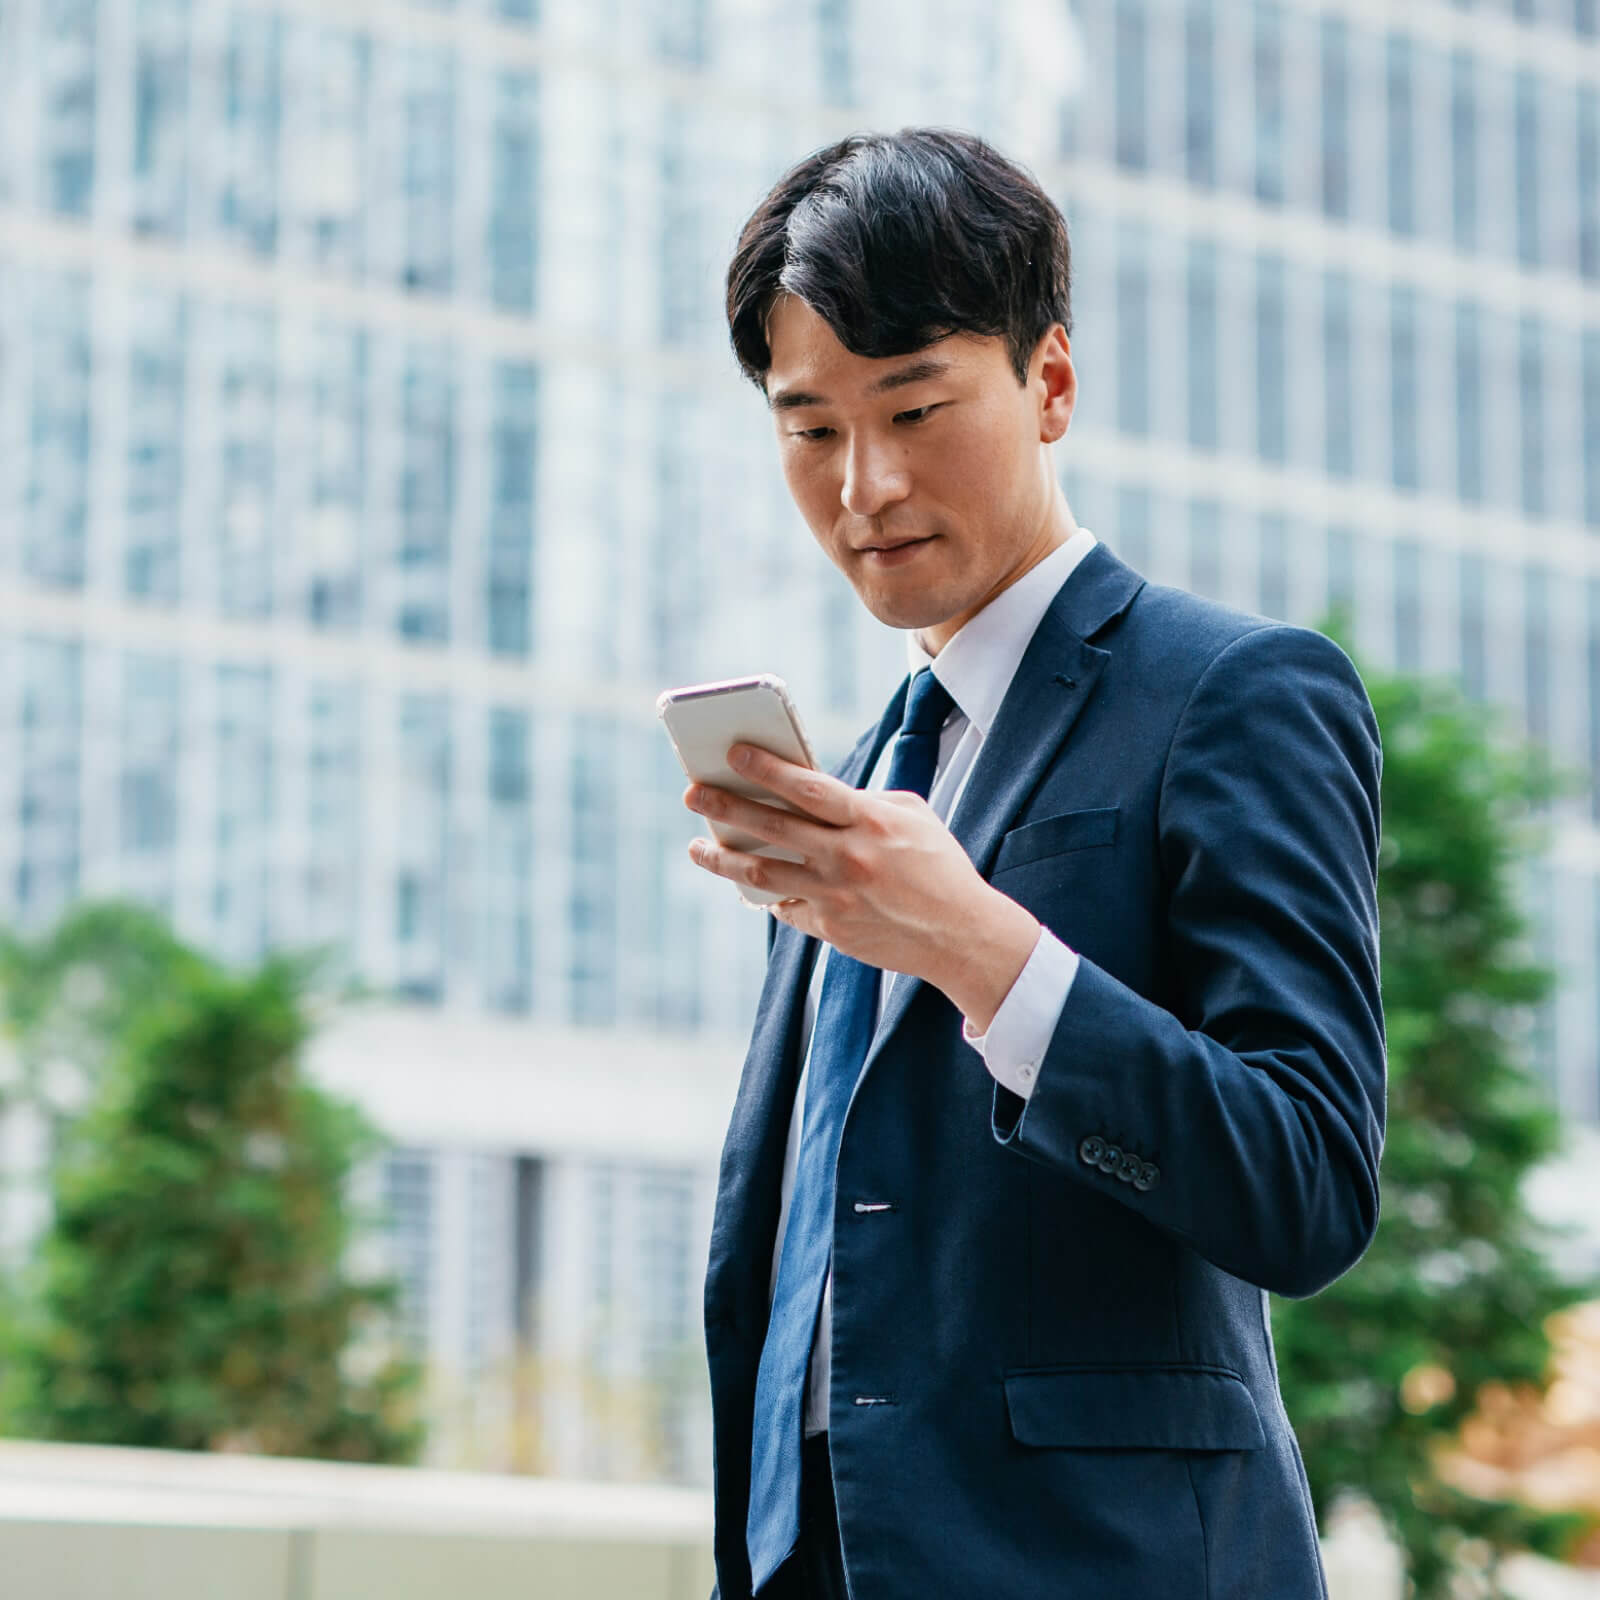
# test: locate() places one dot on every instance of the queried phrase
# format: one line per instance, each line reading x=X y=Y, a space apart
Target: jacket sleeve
x=1248 y=1121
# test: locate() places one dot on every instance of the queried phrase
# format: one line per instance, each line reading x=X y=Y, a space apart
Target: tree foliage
x=192 y=1290
x=1380 y=1370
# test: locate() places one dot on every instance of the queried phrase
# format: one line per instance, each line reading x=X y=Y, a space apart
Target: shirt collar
x=979 y=662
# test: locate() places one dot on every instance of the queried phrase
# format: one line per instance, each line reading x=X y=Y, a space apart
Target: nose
x=875 y=477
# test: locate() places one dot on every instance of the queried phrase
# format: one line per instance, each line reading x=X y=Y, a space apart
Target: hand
x=883 y=879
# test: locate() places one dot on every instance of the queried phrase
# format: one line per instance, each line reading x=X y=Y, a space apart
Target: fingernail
x=739 y=758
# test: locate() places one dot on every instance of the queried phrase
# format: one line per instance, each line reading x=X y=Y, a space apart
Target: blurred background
x=371 y=455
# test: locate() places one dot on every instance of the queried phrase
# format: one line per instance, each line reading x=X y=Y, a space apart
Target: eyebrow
x=916 y=372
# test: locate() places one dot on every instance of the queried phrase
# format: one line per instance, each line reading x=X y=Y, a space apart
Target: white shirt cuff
x=1021 y=1030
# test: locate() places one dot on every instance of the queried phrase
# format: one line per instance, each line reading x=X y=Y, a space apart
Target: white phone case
x=703 y=719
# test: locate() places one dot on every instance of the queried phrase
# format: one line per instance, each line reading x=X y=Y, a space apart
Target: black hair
x=898 y=239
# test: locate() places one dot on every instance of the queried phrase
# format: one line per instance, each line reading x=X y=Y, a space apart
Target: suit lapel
x=1053 y=682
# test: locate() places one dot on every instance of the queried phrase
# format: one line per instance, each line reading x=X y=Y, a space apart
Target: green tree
x=192 y=1290
x=1379 y=1371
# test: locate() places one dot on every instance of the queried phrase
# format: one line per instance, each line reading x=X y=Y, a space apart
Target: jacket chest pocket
x=1054 y=836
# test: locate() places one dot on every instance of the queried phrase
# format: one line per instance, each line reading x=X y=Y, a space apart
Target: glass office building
x=370 y=456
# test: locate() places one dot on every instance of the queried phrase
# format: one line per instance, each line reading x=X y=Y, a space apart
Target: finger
x=802 y=834
x=817 y=794
x=786 y=878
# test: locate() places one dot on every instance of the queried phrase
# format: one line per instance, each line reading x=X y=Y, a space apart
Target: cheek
x=812 y=489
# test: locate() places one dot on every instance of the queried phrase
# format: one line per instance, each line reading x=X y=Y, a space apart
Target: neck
x=1055 y=528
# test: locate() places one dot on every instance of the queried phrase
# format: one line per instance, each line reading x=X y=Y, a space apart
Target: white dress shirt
x=976 y=666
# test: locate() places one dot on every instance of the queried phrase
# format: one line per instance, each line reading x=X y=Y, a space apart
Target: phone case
x=703 y=719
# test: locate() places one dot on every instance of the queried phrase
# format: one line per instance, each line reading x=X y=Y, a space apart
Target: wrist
x=990 y=946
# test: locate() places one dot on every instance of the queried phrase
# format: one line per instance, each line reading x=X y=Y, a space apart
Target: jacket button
x=1109 y=1159
x=1091 y=1150
x=1129 y=1168
x=1146 y=1178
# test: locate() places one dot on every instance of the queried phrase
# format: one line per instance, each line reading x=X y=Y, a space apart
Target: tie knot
x=928 y=703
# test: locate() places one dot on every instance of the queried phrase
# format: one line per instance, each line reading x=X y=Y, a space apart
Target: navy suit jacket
x=1063 y=1316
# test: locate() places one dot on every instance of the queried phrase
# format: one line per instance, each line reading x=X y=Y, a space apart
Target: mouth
x=893 y=554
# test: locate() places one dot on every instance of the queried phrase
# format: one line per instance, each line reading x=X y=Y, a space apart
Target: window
x=1474 y=669
x=1273 y=565
x=56 y=509
x=1339 y=393
x=594 y=871
x=245 y=809
x=422 y=815
x=327 y=143
x=514 y=166
x=158 y=338
x=1202 y=344
x=408 y=1204
x=329 y=551
x=160 y=116
x=1130 y=84
x=1536 y=653
x=1268 y=72
x=149 y=754
x=1592 y=680
x=1530 y=387
x=1463 y=152
x=833 y=52
x=1398 y=86
x=1403 y=386
x=1588 y=136
x=1199 y=96
x=64 y=69
x=508 y=859
x=1469 y=405
x=1528 y=175
x=248 y=146
x=1205 y=548
x=245 y=546
x=1272 y=389
x=686 y=280
x=1591 y=426
x=334 y=838
x=1335 y=117
x=1407 y=605
x=1342 y=572
x=428 y=170
x=514 y=451
x=1133 y=330
x=1133 y=526
x=49 y=782
x=427 y=493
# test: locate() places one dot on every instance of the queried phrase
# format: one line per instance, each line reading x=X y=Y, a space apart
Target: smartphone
x=703 y=719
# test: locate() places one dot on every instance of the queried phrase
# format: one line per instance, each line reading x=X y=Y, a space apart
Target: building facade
x=371 y=455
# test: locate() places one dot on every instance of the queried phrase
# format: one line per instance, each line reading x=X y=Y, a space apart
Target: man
x=1070 y=1046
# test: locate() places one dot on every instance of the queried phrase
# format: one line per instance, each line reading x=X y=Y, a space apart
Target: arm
x=1259 y=1102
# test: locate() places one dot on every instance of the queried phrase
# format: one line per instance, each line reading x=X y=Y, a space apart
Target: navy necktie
x=841 y=1036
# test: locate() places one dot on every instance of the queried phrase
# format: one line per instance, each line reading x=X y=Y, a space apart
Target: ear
x=1055 y=380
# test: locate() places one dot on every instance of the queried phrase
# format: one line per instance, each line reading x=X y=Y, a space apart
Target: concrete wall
x=86 y=1523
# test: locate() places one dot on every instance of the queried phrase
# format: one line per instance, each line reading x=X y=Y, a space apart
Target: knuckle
x=758 y=875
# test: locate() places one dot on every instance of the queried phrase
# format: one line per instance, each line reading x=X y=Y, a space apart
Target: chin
x=907 y=610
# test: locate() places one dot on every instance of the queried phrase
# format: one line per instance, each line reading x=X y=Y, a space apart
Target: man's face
x=941 y=453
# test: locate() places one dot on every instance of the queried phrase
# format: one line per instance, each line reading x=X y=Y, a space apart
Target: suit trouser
x=816 y=1569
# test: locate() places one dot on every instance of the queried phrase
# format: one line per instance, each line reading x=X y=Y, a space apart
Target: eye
x=814 y=434
x=917 y=414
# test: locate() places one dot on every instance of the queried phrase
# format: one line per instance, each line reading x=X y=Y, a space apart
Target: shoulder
x=1191 y=642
